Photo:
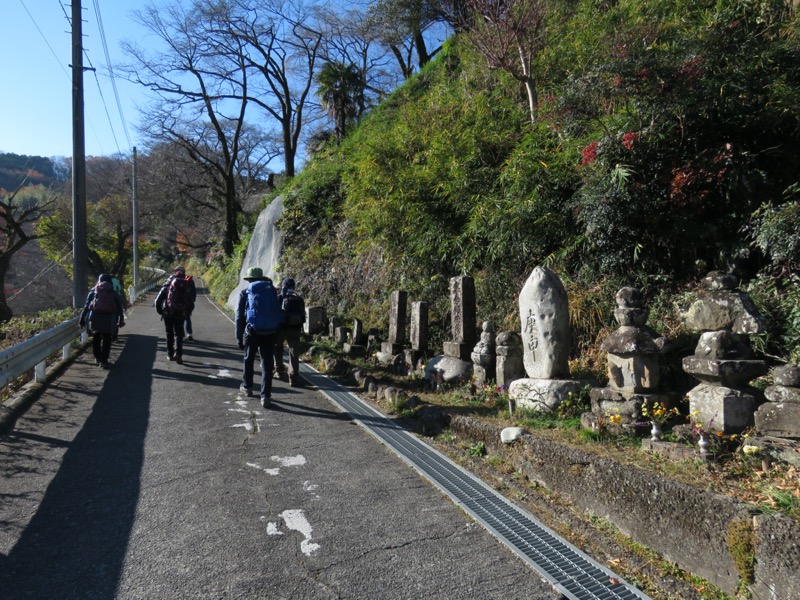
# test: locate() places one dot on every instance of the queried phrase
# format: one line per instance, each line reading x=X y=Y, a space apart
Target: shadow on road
x=75 y=544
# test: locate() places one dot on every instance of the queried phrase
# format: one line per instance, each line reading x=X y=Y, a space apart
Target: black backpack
x=294 y=309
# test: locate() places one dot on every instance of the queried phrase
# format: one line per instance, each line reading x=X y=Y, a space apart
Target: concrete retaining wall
x=687 y=525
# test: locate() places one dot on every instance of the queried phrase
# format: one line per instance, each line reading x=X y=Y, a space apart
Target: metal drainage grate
x=568 y=570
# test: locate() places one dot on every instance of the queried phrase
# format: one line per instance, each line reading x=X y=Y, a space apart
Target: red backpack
x=103 y=302
x=178 y=298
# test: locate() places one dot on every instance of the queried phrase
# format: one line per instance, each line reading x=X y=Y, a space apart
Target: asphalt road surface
x=156 y=480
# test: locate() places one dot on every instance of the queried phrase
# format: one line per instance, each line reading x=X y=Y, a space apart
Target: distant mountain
x=32 y=170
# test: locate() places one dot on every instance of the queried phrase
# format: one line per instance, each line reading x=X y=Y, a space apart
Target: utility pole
x=79 y=248
x=135 y=208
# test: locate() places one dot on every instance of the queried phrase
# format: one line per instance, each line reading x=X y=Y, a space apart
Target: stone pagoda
x=634 y=351
x=723 y=360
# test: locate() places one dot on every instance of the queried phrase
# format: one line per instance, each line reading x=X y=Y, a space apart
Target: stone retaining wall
x=687 y=525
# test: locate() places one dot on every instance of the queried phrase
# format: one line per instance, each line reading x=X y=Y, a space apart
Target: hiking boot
x=266 y=401
x=173 y=358
x=105 y=365
x=190 y=338
x=179 y=359
x=277 y=375
x=295 y=382
x=246 y=390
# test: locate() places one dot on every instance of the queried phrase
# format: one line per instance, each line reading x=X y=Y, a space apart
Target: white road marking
x=290 y=461
x=295 y=520
x=285 y=461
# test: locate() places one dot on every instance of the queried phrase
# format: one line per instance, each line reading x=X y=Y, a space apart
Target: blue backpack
x=264 y=313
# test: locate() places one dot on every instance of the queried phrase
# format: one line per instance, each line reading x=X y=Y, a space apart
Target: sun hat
x=254 y=273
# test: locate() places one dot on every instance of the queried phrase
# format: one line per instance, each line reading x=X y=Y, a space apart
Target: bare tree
x=201 y=87
x=509 y=34
x=19 y=210
x=278 y=44
x=350 y=39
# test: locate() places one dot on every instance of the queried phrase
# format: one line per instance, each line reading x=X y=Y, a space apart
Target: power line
x=53 y=52
x=111 y=70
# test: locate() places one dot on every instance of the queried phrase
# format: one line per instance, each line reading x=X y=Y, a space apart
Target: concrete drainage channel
x=568 y=570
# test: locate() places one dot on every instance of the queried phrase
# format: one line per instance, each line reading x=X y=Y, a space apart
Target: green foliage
x=775 y=230
x=477 y=450
x=19 y=329
x=575 y=404
x=662 y=127
x=778 y=298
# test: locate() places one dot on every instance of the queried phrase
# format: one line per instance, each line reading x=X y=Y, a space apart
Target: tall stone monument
x=397 y=324
x=419 y=334
x=546 y=343
x=456 y=364
x=462 y=302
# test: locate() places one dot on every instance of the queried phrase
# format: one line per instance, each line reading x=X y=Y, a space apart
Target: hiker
x=103 y=314
x=258 y=318
x=193 y=295
x=115 y=281
x=294 y=315
x=173 y=303
x=118 y=288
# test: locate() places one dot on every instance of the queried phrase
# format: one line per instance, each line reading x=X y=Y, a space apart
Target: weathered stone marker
x=462 y=320
x=546 y=342
x=397 y=324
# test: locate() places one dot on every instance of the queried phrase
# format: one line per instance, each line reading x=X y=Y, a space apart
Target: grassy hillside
x=666 y=144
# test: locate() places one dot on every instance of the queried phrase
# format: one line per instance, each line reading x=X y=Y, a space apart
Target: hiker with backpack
x=102 y=315
x=258 y=319
x=193 y=296
x=174 y=302
x=294 y=315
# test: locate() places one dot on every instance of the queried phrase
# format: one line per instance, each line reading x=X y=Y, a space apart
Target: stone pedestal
x=354 y=350
x=390 y=348
x=459 y=351
x=542 y=395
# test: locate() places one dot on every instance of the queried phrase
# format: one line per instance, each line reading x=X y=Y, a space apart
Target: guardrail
x=33 y=353
x=156 y=275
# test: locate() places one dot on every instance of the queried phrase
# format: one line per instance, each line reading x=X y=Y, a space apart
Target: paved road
x=157 y=480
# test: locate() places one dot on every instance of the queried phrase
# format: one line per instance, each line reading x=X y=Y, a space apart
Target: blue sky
x=36 y=101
